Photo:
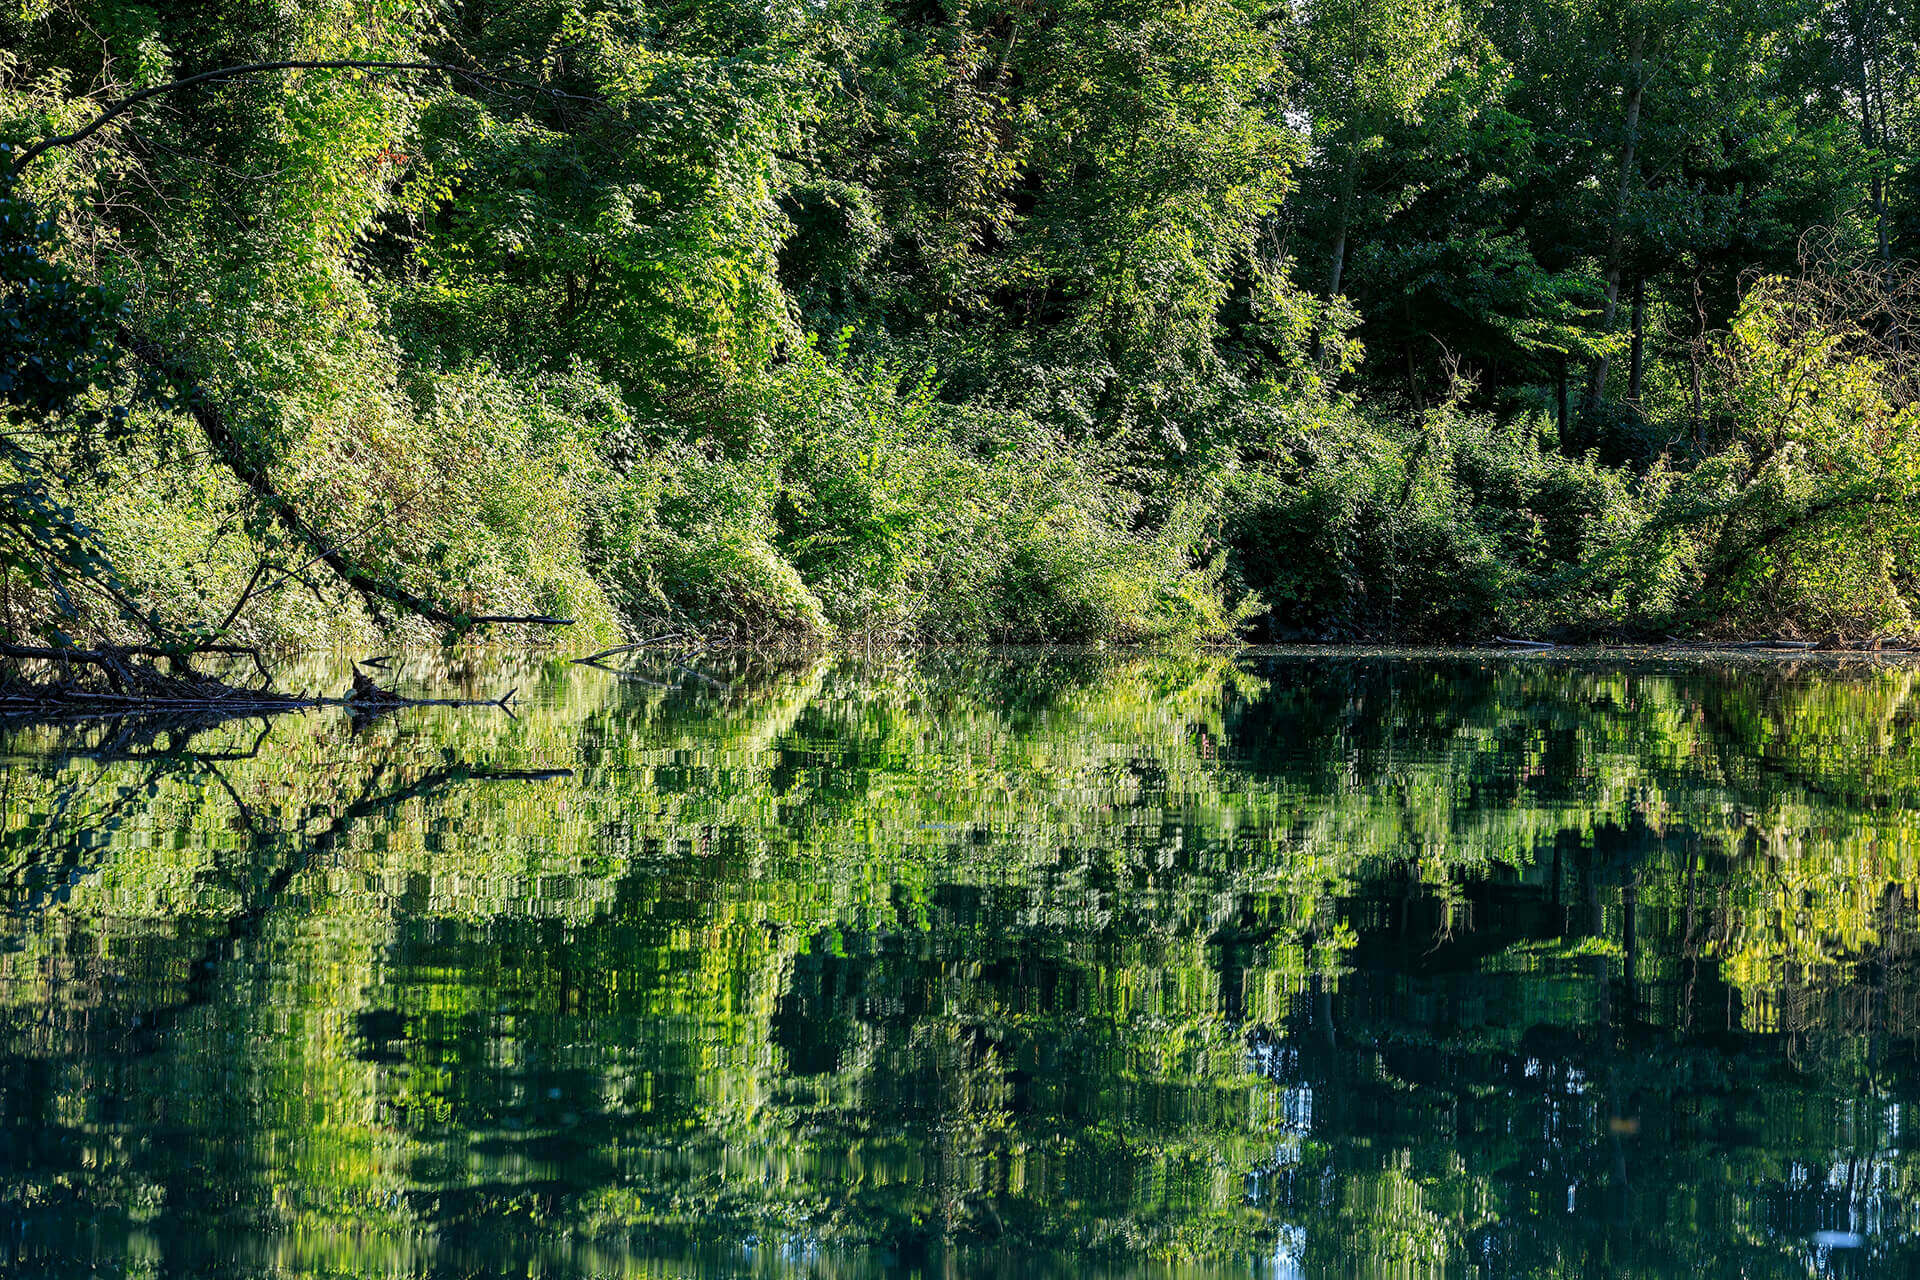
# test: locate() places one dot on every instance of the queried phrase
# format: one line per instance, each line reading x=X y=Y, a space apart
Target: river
x=1034 y=964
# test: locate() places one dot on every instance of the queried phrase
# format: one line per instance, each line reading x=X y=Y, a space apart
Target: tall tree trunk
x=1884 y=146
x=1343 y=208
x=1418 y=400
x=1561 y=397
x=1616 y=235
x=1695 y=354
x=1697 y=402
x=1637 y=365
x=1339 y=257
x=1866 y=67
x=1342 y=217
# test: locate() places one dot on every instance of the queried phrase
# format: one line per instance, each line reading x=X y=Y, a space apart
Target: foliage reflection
x=1042 y=962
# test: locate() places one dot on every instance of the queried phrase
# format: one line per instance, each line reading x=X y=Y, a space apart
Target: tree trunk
x=1343 y=208
x=1637 y=365
x=1616 y=235
x=236 y=454
x=1418 y=400
x=1696 y=396
x=1561 y=396
x=1695 y=354
x=1342 y=218
x=1339 y=259
x=1865 y=31
x=1872 y=130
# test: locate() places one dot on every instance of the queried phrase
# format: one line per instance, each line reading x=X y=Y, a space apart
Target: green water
x=1025 y=964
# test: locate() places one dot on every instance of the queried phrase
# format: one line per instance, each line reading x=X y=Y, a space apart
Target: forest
x=1082 y=321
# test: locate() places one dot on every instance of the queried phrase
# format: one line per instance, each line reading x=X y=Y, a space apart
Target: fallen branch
x=57 y=698
x=97 y=656
x=134 y=687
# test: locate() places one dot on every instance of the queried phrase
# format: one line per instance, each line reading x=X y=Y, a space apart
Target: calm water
x=1022 y=965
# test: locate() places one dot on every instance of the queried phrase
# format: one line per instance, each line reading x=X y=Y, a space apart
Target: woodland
x=1076 y=321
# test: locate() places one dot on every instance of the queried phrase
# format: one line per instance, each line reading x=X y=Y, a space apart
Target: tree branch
x=120 y=107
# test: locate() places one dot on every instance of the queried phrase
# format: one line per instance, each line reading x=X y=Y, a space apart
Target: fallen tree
x=231 y=451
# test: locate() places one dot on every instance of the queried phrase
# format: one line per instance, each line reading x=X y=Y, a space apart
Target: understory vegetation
x=1018 y=320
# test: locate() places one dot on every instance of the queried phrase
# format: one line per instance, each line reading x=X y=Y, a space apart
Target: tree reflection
x=1358 y=966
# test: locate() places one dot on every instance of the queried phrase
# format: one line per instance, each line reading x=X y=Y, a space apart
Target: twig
x=246 y=594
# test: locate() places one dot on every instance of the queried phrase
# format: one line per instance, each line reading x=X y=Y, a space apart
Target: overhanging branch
x=120 y=107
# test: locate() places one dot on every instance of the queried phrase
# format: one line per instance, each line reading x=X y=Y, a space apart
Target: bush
x=875 y=510
x=1801 y=514
x=1438 y=530
x=685 y=544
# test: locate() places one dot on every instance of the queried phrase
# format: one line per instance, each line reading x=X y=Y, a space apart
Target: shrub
x=1436 y=530
x=1801 y=512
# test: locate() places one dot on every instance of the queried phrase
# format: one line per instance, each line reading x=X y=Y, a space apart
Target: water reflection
x=1027 y=964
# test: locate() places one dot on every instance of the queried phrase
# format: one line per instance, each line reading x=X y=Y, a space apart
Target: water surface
x=1020 y=964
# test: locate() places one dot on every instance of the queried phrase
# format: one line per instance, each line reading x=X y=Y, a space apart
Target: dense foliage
x=1018 y=319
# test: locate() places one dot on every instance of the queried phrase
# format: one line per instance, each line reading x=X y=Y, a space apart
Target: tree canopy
x=1011 y=320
